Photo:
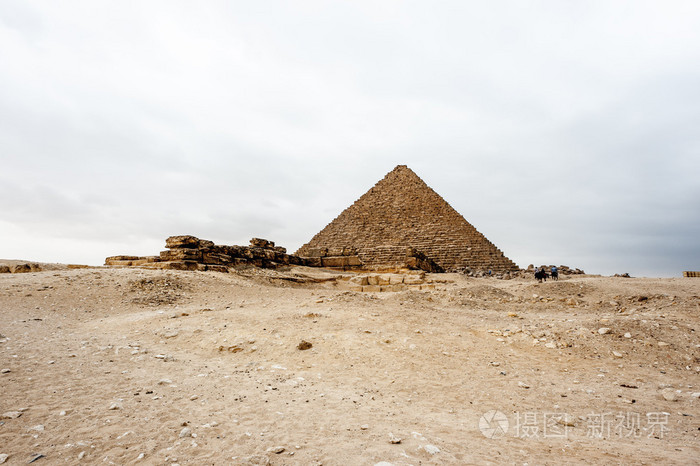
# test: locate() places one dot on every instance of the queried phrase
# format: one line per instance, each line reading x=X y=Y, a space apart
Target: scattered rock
x=11 y=415
x=185 y=432
x=669 y=394
x=81 y=455
x=566 y=420
x=617 y=354
x=604 y=330
x=276 y=450
x=36 y=458
x=165 y=357
x=255 y=460
x=3 y=457
x=304 y=345
x=431 y=449
x=393 y=439
x=523 y=385
x=628 y=335
x=170 y=333
x=37 y=428
x=165 y=382
x=663 y=343
x=115 y=406
x=364 y=427
x=5 y=371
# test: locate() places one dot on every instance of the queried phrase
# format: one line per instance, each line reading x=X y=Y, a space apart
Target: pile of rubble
x=20 y=268
x=563 y=269
x=187 y=252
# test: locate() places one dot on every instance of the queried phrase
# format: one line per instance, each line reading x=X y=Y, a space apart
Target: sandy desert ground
x=134 y=366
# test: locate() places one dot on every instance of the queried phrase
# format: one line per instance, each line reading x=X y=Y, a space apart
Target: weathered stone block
x=413 y=279
x=316 y=252
x=214 y=258
x=395 y=279
x=178 y=265
x=339 y=261
x=4 y=269
x=312 y=261
x=354 y=261
x=261 y=243
x=384 y=279
x=372 y=288
x=360 y=280
x=181 y=254
x=187 y=242
x=122 y=258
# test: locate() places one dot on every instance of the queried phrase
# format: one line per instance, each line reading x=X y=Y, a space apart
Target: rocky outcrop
x=186 y=252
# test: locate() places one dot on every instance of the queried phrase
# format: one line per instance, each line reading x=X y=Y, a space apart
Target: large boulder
x=187 y=242
x=261 y=243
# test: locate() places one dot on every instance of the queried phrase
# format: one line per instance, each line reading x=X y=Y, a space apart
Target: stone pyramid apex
x=401 y=211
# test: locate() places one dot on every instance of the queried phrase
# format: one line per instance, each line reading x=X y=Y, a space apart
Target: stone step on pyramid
x=402 y=211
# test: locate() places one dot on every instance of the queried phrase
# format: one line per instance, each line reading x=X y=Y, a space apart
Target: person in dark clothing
x=540 y=274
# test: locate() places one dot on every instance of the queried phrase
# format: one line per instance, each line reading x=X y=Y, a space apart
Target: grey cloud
x=562 y=132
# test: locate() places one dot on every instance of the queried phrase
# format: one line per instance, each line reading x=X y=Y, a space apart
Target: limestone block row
x=691 y=274
x=386 y=282
x=332 y=252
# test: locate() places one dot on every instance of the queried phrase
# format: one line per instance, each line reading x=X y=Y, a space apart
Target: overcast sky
x=567 y=132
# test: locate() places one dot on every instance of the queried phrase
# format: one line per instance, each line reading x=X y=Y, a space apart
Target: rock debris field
x=135 y=366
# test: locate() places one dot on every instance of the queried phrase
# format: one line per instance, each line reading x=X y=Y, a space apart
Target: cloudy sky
x=567 y=132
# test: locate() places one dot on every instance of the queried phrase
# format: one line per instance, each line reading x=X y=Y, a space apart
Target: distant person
x=555 y=273
x=540 y=274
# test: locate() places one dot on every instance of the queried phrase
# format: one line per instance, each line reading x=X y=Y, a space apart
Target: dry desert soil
x=137 y=366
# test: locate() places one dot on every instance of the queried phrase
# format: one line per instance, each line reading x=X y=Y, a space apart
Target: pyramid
x=402 y=212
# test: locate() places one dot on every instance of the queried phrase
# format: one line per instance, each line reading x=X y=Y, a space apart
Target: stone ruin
x=188 y=252
x=399 y=224
x=402 y=222
x=562 y=269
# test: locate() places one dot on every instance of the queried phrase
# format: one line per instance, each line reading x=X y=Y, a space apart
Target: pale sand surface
x=421 y=365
